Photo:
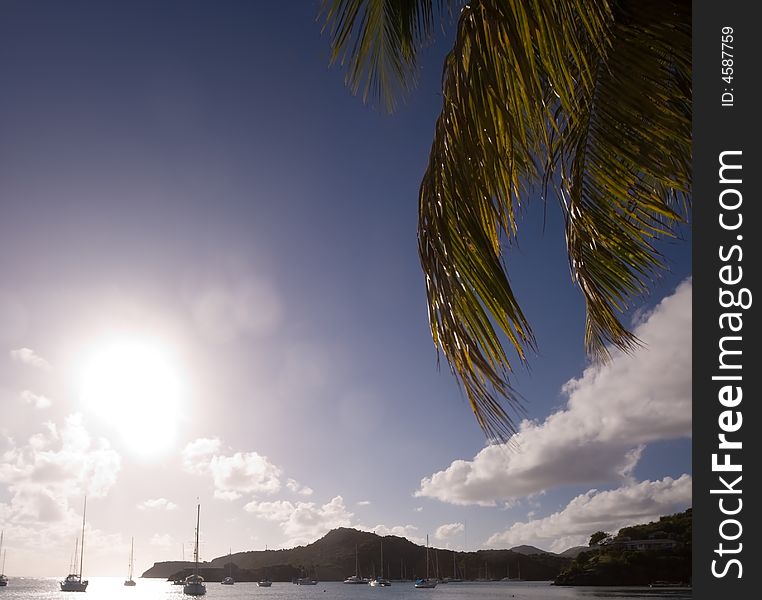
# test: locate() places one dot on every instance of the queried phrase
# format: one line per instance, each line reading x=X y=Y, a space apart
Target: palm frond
x=589 y=96
x=500 y=95
x=626 y=155
x=379 y=40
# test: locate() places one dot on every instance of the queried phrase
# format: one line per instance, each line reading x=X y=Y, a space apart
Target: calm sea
x=111 y=588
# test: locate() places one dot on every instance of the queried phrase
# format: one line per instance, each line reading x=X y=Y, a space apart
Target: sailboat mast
x=82 y=547
x=132 y=548
x=73 y=564
x=195 y=551
x=427 y=556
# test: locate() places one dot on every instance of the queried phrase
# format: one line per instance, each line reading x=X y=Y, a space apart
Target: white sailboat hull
x=73 y=585
x=194 y=589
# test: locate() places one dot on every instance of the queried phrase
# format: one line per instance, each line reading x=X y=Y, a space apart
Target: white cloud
x=298 y=488
x=303 y=522
x=36 y=400
x=612 y=410
x=163 y=540
x=157 y=504
x=418 y=509
x=197 y=454
x=55 y=465
x=449 y=530
x=407 y=531
x=233 y=475
x=29 y=357
x=363 y=503
x=599 y=511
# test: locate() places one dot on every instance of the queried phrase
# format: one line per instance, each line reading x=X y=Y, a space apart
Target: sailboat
x=130 y=581
x=73 y=581
x=266 y=582
x=356 y=577
x=380 y=581
x=426 y=583
x=3 y=578
x=228 y=580
x=194 y=584
x=454 y=578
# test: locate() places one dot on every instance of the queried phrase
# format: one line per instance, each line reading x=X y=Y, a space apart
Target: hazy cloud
x=36 y=400
x=599 y=511
x=407 y=531
x=364 y=503
x=612 y=410
x=197 y=454
x=449 y=530
x=296 y=487
x=303 y=522
x=157 y=504
x=224 y=312
x=163 y=540
x=54 y=465
x=29 y=357
x=233 y=475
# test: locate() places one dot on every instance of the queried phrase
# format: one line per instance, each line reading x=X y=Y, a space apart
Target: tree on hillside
x=588 y=99
x=598 y=537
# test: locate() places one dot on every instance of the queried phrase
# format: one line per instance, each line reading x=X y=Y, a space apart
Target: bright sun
x=133 y=386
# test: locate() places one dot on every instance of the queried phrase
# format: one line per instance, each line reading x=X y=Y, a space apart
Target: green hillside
x=332 y=558
x=653 y=553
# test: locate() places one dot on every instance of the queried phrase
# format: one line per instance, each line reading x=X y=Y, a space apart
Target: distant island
x=332 y=558
x=656 y=553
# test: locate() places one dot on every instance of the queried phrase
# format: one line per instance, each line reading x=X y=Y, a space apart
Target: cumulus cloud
x=157 y=504
x=599 y=511
x=54 y=465
x=449 y=530
x=29 y=357
x=233 y=475
x=407 y=531
x=303 y=522
x=612 y=411
x=296 y=487
x=36 y=400
x=198 y=453
x=162 y=540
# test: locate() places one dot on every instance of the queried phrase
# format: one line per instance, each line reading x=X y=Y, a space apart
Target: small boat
x=426 y=583
x=264 y=583
x=306 y=581
x=129 y=582
x=73 y=581
x=229 y=579
x=380 y=581
x=194 y=584
x=3 y=578
x=356 y=579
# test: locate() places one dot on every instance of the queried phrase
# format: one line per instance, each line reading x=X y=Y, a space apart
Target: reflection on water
x=111 y=588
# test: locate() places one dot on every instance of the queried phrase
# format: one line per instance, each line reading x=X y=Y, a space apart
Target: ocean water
x=111 y=588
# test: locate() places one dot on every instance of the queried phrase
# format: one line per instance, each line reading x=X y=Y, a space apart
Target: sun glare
x=133 y=386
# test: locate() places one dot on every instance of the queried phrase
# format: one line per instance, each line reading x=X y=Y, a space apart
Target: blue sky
x=192 y=183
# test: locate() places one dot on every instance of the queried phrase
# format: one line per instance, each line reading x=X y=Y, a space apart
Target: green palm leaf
x=589 y=97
